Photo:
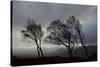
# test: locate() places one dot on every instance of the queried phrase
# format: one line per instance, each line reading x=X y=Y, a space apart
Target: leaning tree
x=67 y=34
x=59 y=34
x=76 y=30
x=34 y=32
x=81 y=36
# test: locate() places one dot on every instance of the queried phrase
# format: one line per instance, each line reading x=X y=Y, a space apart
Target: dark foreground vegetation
x=50 y=60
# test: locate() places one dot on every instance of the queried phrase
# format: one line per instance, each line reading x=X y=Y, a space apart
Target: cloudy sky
x=44 y=13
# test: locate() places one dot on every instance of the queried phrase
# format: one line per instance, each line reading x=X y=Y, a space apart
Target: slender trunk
x=38 y=52
x=41 y=52
x=38 y=49
x=83 y=45
x=65 y=45
x=41 y=49
x=85 y=49
x=72 y=48
x=69 y=47
x=70 y=53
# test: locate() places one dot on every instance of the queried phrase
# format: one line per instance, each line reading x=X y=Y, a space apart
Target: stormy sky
x=44 y=13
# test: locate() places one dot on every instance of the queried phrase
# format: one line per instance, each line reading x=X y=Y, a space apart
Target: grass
x=49 y=60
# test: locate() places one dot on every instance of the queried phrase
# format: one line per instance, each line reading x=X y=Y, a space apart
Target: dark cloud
x=44 y=13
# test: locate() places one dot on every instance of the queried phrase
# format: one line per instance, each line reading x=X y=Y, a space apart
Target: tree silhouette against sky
x=59 y=34
x=81 y=36
x=34 y=32
x=76 y=30
x=67 y=34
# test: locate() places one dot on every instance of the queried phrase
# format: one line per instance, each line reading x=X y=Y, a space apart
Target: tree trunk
x=38 y=52
x=38 y=49
x=69 y=47
x=41 y=49
x=70 y=52
x=41 y=52
x=83 y=45
x=72 y=48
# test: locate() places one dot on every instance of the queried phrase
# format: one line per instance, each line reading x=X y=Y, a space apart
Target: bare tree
x=81 y=36
x=59 y=34
x=76 y=30
x=34 y=32
x=68 y=34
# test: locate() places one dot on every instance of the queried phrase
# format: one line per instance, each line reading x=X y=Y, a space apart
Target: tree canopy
x=34 y=32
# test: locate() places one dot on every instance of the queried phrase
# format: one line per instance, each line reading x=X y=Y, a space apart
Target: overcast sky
x=44 y=13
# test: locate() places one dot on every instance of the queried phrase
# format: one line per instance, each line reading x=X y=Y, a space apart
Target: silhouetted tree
x=81 y=36
x=76 y=30
x=59 y=34
x=71 y=26
x=68 y=34
x=34 y=32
